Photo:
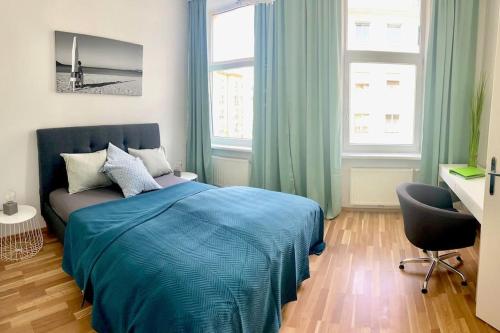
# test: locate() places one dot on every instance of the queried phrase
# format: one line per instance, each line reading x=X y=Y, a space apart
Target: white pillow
x=155 y=160
x=84 y=171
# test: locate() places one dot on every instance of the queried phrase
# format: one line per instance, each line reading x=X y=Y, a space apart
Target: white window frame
x=217 y=141
x=383 y=57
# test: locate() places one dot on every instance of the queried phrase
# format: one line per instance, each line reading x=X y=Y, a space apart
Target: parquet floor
x=355 y=286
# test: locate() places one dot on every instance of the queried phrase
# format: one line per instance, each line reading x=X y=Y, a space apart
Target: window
x=392 y=123
x=394 y=33
x=362 y=31
x=383 y=76
x=231 y=69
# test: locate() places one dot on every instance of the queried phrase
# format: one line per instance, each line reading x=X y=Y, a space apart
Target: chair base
x=435 y=260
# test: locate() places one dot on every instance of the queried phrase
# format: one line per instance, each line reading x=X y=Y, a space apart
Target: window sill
x=247 y=151
x=232 y=148
x=229 y=151
x=381 y=156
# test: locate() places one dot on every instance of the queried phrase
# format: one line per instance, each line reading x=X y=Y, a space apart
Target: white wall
x=485 y=62
x=28 y=100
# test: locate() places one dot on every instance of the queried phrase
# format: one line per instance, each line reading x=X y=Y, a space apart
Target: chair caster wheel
x=424 y=291
x=459 y=258
x=464 y=283
x=401 y=266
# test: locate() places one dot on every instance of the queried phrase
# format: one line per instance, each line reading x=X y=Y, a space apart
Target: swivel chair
x=432 y=224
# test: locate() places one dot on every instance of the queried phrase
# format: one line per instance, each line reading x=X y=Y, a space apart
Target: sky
x=230 y=43
x=99 y=52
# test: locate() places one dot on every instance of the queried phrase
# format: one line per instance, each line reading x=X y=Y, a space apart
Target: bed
x=190 y=257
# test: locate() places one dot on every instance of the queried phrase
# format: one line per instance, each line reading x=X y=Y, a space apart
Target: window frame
x=384 y=57
x=218 y=142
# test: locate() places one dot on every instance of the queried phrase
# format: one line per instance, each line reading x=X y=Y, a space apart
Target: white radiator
x=377 y=186
x=231 y=171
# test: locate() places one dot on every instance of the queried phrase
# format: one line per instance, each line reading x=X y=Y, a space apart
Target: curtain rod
x=250 y=2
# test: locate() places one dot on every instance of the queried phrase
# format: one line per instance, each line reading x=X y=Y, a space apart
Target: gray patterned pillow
x=131 y=175
x=115 y=153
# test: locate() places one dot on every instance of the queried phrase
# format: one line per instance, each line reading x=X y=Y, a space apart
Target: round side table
x=189 y=176
x=20 y=235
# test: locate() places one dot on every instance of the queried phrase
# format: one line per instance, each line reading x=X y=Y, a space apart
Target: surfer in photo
x=80 y=74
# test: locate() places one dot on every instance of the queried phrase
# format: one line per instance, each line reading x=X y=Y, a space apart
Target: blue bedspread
x=193 y=258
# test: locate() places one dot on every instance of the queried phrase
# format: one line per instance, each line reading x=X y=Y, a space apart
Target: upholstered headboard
x=54 y=141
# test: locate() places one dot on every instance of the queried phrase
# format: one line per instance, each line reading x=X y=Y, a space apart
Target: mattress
x=64 y=203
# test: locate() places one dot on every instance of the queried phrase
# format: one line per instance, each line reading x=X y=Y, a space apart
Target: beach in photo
x=94 y=65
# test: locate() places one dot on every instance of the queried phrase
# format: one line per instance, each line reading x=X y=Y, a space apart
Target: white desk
x=469 y=191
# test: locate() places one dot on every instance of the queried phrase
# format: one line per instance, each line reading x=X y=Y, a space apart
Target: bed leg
x=83 y=299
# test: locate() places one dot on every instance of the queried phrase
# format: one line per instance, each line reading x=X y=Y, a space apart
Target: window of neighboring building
x=383 y=76
x=362 y=31
x=394 y=33
x=231 y=69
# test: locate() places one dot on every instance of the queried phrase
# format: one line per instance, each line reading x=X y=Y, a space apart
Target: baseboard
x=382 y=209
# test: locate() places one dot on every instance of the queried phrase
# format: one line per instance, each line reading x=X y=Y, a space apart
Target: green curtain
x=449 y=85
x=297 y=106
x=199 y=154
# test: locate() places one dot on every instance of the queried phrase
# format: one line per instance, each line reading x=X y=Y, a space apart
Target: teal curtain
x=449 y=85
x=297 y=106
x=199 y=155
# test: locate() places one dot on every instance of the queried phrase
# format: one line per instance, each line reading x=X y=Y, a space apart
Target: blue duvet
x=193 y=258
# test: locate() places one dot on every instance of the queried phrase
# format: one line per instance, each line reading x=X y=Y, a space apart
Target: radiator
x=231 y=171
x=377 y=186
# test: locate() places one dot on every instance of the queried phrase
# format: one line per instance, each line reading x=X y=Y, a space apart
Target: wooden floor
x=355 y=286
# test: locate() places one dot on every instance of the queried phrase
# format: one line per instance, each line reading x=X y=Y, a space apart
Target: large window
x=383 y=76
x=231 y=69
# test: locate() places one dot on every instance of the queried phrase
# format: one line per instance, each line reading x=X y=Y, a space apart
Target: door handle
x=493 y=173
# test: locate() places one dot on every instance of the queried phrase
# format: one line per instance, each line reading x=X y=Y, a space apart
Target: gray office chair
x=431 y=224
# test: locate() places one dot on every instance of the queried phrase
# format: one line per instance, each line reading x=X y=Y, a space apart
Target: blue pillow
x=131 y=175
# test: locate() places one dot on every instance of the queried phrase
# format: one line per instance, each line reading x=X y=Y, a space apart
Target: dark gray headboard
x=54 y=141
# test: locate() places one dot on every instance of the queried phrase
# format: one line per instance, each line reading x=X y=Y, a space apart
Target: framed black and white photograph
x=95 y=65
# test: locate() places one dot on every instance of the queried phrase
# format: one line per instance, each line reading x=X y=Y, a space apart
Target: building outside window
x=231 y=72
x=383 y=76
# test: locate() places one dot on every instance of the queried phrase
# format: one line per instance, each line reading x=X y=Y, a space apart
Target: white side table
x=20 y=235
x=189 y=175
